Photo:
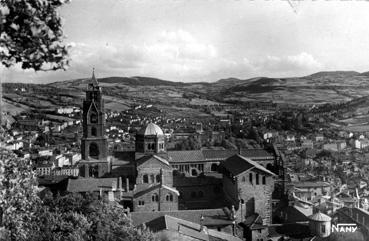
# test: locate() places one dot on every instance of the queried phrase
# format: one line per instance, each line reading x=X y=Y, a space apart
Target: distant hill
x=364 y=74
x=334 y=74
x=318 y=88
x=137 y=80
x=257 y=85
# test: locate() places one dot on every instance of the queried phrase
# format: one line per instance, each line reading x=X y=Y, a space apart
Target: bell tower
x=94 y=149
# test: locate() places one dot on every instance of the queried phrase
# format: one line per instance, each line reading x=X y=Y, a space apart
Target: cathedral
x=154 y=179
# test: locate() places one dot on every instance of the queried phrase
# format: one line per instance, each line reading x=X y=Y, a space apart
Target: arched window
x=94 y=150
x=169 y=197
x=145 y=178
x=264 y=180
x=158 y=178
x=201 y=194
x=93 y=117
x=193 y=172
x=152 y=146
x=152 y=178
x=250 y=178
x=155 y=197
x=214 y=167
x=93 y=131
x=257 y=178
x=243 y=179
x=94 y=171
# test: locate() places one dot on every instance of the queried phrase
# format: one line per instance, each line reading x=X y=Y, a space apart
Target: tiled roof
x=218 y=155
x=172 y=189
x=148 y=157
x=186 y=156
x=256 y=153
x=89 y=184
x=187 y=228
x=237 y=164
x=212 y=217
x=139 y=155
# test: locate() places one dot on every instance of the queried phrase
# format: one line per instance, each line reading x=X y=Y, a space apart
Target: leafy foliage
x=72 y=217
x=18 y=195
x=91 y=218
x=31 y=34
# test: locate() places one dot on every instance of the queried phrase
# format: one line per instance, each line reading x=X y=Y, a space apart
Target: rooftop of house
x=144 y=190
x=148 y=157
x=256 y=153
x=308 y=184
x=90 y=184
x=238 y=164
x=218 y=154
x=187 y=228
x=186 y=156
x=212 y=217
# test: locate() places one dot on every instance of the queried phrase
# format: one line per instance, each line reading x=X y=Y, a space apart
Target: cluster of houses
x=208 y=194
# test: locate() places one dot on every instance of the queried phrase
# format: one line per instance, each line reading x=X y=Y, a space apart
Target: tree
x=87 y=218
x=31 y=34
x=18 y=196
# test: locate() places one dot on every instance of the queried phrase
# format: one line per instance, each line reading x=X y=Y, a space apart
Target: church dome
x=151 y=130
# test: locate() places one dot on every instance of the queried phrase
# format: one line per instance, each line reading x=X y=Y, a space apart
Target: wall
x=161 y=205
x=256 y=197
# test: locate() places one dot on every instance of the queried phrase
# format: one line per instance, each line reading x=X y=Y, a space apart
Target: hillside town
x=260 y=172
x=184 y=120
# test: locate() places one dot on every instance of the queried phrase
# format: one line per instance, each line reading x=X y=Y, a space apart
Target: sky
x=208 y=40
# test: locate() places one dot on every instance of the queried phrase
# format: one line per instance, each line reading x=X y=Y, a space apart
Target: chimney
x=233 y=217
x=202 y=229
x=114 y=186
x=120 y=186
x=127 y=184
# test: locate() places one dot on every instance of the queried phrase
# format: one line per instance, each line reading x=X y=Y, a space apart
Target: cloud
x=292 y=63
x=173 y=55
x=168 y=54
x=304 y=61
